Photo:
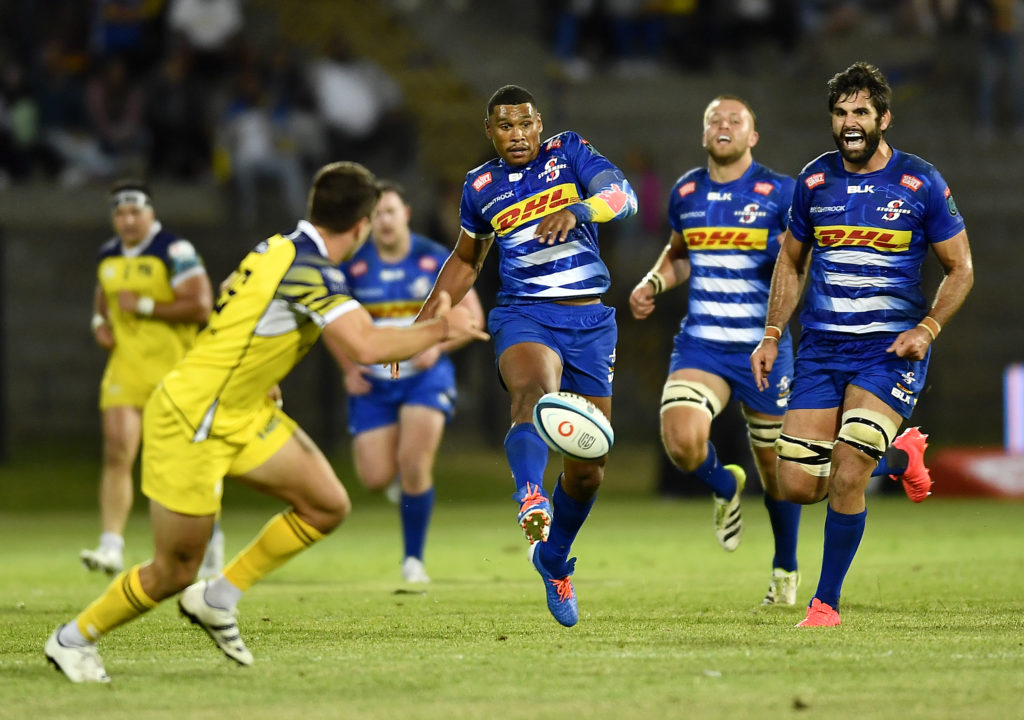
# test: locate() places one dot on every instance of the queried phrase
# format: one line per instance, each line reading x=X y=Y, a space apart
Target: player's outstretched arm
x=354 y=335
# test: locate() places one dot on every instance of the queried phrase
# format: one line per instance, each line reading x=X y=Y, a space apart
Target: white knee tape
x=867 y=431
x=762 y=432
x=813 y=456
x=687 y=393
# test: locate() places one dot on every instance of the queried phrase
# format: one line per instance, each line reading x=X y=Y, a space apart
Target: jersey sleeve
x=182 y=261
x=799 y=217
x=942 y=218
x=472 y=221
x=317 y=289
x=609 y=194
x=683 y=187
x=786 y=189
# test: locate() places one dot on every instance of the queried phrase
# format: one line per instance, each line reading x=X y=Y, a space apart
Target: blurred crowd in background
x=186 y=89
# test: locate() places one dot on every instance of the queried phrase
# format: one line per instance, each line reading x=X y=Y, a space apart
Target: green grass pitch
x=670 y=625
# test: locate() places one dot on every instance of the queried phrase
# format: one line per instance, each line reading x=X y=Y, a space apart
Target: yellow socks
x=283 y=537
x=123 y=600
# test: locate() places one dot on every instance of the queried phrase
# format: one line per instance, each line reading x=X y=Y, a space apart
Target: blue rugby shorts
x=583 y=337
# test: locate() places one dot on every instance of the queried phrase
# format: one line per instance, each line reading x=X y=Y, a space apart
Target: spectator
x=67 y=147
x=210 y=29
x=259 y=147
x=361 y=105
x=630 y=31
x=114 y=110
x=177 y=115
x=129 y=29
x=19 y=125
x=1000 y=54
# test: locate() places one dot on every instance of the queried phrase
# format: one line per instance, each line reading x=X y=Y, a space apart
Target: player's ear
x=885 y=121
x=754 y=137
x=540 y=123
x=487 y=128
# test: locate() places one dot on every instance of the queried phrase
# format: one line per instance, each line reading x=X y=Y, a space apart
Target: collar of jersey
x=141 y=247
x=306 y=227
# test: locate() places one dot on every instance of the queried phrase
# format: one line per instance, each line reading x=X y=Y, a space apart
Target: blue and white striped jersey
x=509 y=201
x=870 y=234
x=732 y=235
x=393 y=292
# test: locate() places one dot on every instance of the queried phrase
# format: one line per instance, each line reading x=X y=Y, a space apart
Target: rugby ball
x=572 y=425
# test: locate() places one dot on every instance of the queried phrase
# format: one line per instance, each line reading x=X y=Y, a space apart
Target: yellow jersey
x=145 y=348
x=280 y=297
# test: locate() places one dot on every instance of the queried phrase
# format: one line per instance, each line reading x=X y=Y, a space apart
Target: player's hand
x=911 y=344
x=554 y=228
x=128 y=301
x=762 y=360
x=276 y=395
x=104 y=335
x=356 y=382
x=463 y=326
x=641 y=300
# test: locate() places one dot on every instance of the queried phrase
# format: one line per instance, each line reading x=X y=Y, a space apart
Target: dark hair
x=342 y=194
x=741 y=101
x=861 y=76
x=509 y=95
x=129 y=184
x=394 y=187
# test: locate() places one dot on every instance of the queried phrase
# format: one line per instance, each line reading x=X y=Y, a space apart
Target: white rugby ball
x=572 y=425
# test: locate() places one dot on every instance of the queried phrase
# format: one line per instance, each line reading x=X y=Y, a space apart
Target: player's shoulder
x=766 y=181
x=569 y=143
x=687 y=183
x=908 y=163
x=171 y=246
x=694 y=174
x=562 y=139
x=826 y=162
x=111 y=248
x=422 y=245
x=763 y=172
x=307 y=250
x=481 y=175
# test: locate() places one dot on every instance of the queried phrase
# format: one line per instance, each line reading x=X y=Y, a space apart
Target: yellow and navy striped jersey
x=283 y=293
x=154 y=267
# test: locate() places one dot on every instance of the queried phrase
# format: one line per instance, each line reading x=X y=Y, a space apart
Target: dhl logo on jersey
x=394 y=309
x=537 y=206
x=874 y=238
x=708 y=238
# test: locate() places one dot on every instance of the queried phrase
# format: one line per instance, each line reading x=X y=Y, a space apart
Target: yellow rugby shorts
x=125 y=386
x=188 y=477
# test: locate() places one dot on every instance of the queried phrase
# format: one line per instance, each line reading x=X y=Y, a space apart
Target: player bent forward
x=212 y=417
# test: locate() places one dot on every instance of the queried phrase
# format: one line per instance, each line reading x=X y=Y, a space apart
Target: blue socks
x=569 y=516
x=527 y=455
x=415 y=511
x=842 y=538
x=711 y=473
x=785 y=520
x=894 y=462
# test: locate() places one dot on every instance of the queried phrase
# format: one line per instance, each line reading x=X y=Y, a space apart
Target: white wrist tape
x=145 y=306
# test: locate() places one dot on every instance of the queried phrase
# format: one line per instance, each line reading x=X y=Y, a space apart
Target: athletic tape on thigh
x=867 y=431
x=813 y=456
x=688 y=393
x=763 y=433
